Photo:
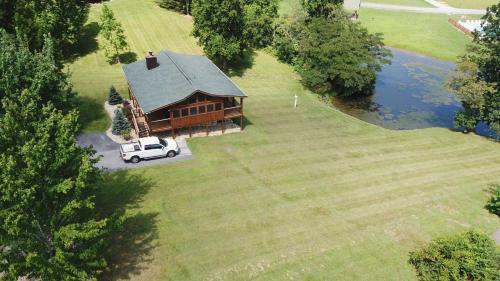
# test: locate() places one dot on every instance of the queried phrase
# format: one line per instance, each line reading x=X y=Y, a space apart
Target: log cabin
x=170 y=91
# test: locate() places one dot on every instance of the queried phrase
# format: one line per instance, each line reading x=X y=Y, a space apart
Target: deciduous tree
x=472 y=91
x=320 y=8
x=219 y=26
x=493 y=205
x=112 y=31
x=63 y=20
x=478 y=84
x=36 y=71
x=468 y=256
x=183 y=6
x=338 y=56
x=260 y=16
x=49 y=229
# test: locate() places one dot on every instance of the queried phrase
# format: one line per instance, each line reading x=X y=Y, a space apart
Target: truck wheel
x=171 y=154
x=135 y=159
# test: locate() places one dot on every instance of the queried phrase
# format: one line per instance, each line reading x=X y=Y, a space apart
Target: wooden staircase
x=143 y=131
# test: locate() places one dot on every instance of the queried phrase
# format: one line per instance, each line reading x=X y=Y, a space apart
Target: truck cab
x=148 y=148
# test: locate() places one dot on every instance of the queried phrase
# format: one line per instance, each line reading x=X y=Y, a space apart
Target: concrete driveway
x=110 y=152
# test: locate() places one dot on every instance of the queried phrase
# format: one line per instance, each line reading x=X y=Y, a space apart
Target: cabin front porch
x=191 y=119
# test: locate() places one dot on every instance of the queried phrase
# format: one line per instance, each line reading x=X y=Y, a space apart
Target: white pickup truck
x=147 y=148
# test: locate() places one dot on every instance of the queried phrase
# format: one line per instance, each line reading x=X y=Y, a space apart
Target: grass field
x=471 y=4
x=428 y=34
x=302 y=194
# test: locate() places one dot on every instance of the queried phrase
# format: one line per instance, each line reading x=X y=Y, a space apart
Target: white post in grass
x=296 y=100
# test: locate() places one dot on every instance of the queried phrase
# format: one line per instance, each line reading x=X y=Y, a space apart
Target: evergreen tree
x=114 y=97
x=120 y=123
x=466 y=256
x=49 y=229
x=112 y=31
x=36 y=71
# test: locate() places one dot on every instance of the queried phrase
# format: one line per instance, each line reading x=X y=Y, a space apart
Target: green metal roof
x=177 y=77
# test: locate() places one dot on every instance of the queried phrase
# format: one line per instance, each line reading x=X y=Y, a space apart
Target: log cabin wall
x=199 y=109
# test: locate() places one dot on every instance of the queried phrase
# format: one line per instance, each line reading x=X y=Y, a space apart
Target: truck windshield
x=162 y=141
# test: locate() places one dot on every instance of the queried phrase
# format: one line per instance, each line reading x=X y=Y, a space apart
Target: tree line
x=333 y=54
x=50 y=228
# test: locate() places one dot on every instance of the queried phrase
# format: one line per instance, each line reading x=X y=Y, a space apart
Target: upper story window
x=192 y=99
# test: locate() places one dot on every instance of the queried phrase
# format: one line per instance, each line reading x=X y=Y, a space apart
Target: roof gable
x=177 y=77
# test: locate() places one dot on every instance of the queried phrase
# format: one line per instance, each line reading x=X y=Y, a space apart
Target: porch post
x=241 y=118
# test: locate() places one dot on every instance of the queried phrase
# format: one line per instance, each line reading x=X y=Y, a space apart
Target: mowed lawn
x=305 y=193
x=428 y=34
x=471 y=4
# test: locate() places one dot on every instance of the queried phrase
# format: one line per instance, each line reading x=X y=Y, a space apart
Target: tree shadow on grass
x=86 y=44
x=128 y=57
x=239 y=67
x=135 y=233
x=91 y=111
x=246 y=122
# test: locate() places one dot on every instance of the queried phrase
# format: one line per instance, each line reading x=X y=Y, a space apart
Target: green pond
x=409 y=94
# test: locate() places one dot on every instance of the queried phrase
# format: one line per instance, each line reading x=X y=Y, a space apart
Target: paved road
x=439 y=8
x=110 y=152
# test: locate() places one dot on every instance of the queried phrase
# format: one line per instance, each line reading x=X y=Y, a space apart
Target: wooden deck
x=234 y=112
x=160 y=126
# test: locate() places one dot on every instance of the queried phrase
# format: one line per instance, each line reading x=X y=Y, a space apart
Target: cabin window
x=201 y=98
x=193 y=111
x=184 y=112
x=166 y=114
x=209 y=98
x=192 y=99
x=176 y=114
x=201 y=109
x=218 y=107
x=210 y=108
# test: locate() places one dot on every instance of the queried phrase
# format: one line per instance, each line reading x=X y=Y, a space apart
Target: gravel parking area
x=110 y=152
